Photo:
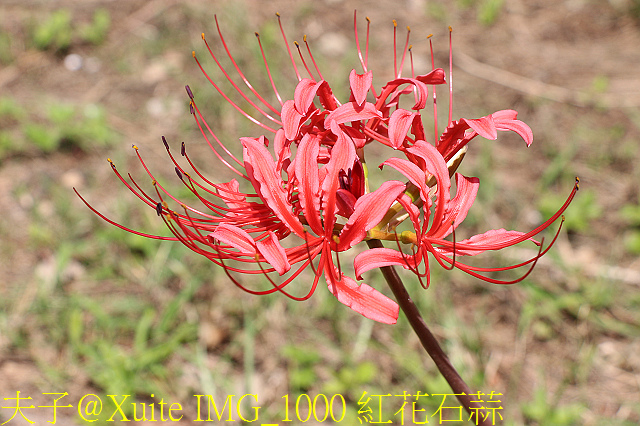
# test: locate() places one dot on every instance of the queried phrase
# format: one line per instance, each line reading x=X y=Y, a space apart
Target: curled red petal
x=467 y=189
x=306 y=169
x=435 y=165
x=364 y=299
x=506 y=120
x=421 y=91
x=360 y=85
x=261 y=169
x=230 y=193
x=235 y=237
x=351 y=112
x=305 y=92
x=368 y=211
x=291 y=119
x=379 y=257
x=494 y=239
x=412 y=172
x=274 y=253
x=399 y=123
x=485 y=126
x=436 y=76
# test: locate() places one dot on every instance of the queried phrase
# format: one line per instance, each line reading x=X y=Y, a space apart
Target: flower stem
x=464 y=394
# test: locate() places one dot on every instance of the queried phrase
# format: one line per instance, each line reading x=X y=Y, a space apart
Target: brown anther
x=257 y=34
x=189 y=92
x=296 y=43
x=159 y=209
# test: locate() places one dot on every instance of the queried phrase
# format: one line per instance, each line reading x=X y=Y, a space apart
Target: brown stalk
x=460 y=388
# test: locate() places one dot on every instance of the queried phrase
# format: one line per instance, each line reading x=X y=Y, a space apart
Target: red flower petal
x=262 y=171
x=506 y=120
x=412 y=172
x=467 y=189
x=306 y=90
x=484 y=126
x=368 y=211
x=306 y=170
x=360 y=85
x=291 y=119
x=399 y=124
x=364 y=299
x=494 y=239
x=274 y=253
x=436 y=76
x=235 y=237
x=379 y=257
x=351 y=112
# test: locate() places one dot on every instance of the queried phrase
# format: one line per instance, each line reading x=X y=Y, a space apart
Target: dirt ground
x=564 y=346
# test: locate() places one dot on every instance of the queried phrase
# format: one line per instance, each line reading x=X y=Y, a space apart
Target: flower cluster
x=309 y=199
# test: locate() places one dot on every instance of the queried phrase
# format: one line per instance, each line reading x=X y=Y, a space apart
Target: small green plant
x=488 y=11
x=631 y=214
x=55 y=32
x=303 y=361
x=69 y=126
x=543 y=412
x=580 y=215
x=96 y=32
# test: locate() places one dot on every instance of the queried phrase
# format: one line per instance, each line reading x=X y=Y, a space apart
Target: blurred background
x=86 y=308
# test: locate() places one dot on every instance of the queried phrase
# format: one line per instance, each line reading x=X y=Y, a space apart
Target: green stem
x=431 y=345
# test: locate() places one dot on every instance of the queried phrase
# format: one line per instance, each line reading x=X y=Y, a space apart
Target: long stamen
x=453 y=262
x=366 y=47
x=114 y=223
x=233 y=104
x=304 y=38
x=286 y=42
x=411 y=60
x=404 y=53
x=303 y=61
x=436 y=137
x=450 y=76
x=196 y=114
x=266 y=65
x=395 y=46
x=246 y=81
x=409 y=265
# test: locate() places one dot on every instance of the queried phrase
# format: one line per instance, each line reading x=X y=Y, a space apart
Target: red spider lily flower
x=306 y=206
